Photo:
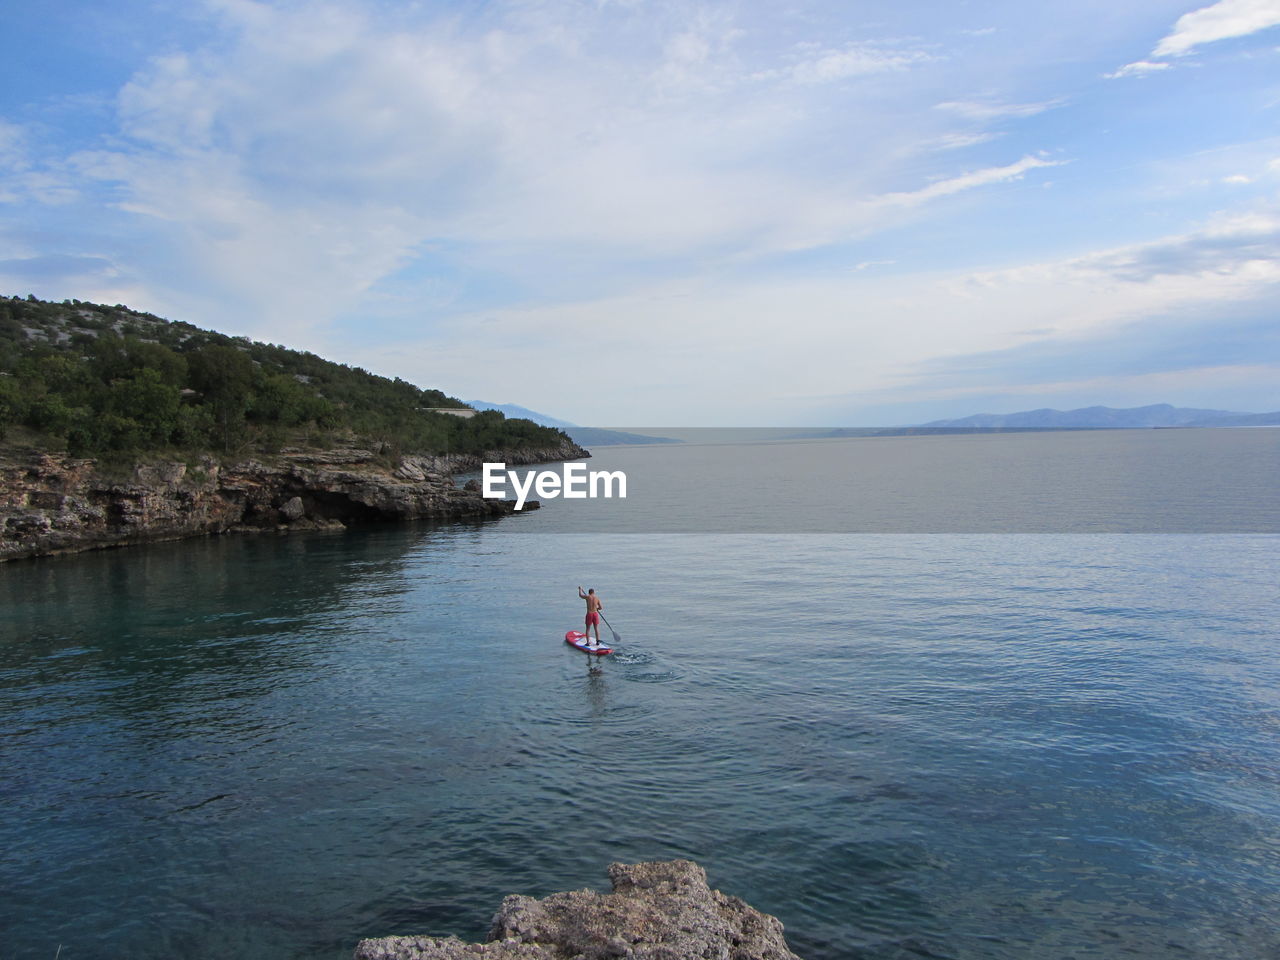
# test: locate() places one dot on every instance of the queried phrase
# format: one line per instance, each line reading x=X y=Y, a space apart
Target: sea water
x=966 y=745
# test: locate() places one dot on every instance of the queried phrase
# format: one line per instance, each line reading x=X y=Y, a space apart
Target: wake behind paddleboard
x=575 y=639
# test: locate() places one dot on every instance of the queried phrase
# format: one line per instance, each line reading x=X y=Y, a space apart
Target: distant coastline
x=1159 y=415
x=1100 y=417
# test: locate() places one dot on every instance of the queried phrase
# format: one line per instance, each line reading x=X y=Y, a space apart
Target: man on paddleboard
x=593 y=614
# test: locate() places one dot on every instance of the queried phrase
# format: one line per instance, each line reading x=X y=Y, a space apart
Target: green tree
x=51 y=414
x=195 y=426
x=171 y=366
x=280 y=398
x=224 y=376
x=108 y=358
x=12 y=406
x=147 y=400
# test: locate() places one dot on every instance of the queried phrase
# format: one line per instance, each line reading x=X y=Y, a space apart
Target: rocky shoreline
x=52 y=504
x=657 y=911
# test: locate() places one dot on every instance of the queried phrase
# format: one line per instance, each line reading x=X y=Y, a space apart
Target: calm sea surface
x=956 y=745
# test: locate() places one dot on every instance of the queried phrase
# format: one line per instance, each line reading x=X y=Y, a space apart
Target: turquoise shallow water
x=964 y=745
x=903 y=746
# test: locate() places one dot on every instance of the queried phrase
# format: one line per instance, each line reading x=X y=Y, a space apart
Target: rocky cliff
x=657 y=911
x=55 y=504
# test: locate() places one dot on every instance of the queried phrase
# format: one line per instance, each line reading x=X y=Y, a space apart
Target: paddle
x=616 y=638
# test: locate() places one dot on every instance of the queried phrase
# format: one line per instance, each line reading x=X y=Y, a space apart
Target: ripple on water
x=634 y=660
x=637 y=657
x=656 y=676
x=553 y=714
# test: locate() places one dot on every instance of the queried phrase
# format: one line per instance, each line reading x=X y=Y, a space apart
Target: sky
x=656 y=212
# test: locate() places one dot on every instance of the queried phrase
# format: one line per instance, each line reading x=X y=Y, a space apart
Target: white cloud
x=11 y=137
x=958 y=141
x=968 y=181
x=1138 y=69
x=12 y=160
x=871 y=336
x=1051 y=328
x=312 y=151
x=22 y=178
x=1224 y=20
x=1220 y=21
x=992 y=110
x=1228 y=253
x=853 y=60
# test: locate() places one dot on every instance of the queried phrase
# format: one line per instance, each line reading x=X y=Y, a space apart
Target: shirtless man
x=593 y=614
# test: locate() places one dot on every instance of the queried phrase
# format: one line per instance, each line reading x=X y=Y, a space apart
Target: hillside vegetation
x=95 y=380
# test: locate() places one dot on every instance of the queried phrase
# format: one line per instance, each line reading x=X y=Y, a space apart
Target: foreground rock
x=55 y=504
x=657 y=911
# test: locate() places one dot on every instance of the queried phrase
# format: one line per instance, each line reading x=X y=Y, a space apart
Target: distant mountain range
x=520 y=413
x=1156 y=415
x=1085 y=418
x=583 y=436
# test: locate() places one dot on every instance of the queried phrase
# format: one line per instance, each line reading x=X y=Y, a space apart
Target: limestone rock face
x=657 y=911
x=293 y=509
x=53 y=504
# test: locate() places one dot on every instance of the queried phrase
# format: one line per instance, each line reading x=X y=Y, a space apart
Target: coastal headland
x=662 y=910
x=51 y=503
x=119 y=427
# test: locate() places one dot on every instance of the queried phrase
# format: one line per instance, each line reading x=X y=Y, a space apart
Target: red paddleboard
x=575 y=639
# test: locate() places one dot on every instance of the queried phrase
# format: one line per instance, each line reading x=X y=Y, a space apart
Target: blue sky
x=642 y=213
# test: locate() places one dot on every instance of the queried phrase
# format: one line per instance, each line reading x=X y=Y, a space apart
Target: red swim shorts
x=593 y=619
